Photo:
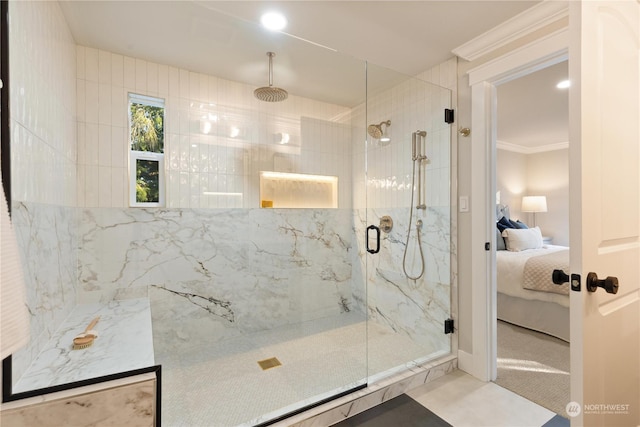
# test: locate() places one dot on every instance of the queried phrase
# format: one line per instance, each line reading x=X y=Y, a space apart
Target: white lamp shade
x=534 y=204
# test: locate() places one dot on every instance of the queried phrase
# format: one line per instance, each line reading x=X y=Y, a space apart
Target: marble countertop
x=124 y=343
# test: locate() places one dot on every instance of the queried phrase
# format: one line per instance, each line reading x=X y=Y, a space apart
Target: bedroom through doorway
x=532 y=236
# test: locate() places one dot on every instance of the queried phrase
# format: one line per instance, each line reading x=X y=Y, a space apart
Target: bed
x=526 y=295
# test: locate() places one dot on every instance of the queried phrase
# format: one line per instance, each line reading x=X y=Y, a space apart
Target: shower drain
x=272 y=362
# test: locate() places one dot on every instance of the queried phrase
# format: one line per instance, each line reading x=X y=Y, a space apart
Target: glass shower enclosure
x=406 y=194
x=298 y=254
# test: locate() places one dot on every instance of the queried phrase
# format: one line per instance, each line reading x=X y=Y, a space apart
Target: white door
x=604 y=65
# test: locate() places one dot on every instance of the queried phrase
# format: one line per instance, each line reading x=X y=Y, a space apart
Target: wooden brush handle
x=92 y=324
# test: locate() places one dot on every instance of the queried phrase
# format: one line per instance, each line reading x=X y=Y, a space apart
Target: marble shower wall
x=43 y=165
x=218 y=273
x=415 y=308
x=47 y=238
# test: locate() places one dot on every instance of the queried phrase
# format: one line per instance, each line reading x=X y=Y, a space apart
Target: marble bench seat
x=124 y=343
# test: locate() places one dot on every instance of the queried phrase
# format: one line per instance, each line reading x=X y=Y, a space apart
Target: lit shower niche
x=294 y=190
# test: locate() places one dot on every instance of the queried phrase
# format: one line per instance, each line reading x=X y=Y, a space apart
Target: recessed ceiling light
x=273 y=21
x=563 y=84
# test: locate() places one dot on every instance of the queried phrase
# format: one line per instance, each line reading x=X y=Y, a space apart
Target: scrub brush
x=86 y=338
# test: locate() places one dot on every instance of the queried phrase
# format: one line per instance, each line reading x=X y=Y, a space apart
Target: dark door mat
x=401 y=411
x=557 y=421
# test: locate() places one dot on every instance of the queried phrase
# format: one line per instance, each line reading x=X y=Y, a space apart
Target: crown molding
x=508 y=146
x=519 y=26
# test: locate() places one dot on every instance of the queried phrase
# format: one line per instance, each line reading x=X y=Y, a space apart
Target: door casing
x=483 y=80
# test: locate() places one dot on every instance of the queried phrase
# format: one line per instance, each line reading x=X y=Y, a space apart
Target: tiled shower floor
x=221 y=384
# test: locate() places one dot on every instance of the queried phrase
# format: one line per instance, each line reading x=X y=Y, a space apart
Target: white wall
x=548 y=175
x=42 y=112
x=511 y=180
x=539 y=174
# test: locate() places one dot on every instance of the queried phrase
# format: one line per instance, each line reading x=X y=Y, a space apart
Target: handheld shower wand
x=417 y=155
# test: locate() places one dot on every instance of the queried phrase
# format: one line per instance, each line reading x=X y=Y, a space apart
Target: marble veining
x=124 y=343
x=212 y=305
x=416 y=308
x=47 y=240
x=219 y=273
x=116 y=404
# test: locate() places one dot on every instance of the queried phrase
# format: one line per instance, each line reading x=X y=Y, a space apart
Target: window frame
x=134 y=155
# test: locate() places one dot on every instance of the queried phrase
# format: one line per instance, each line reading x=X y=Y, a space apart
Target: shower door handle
x=377 y=249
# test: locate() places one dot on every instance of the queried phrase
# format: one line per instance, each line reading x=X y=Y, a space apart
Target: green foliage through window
x=147 y=181
x=147 y=127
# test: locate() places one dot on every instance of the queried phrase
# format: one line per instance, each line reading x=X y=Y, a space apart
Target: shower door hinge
x=448 y=326
x=449 y=116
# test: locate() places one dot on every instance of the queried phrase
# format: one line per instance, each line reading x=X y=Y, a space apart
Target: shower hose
x=418 y=227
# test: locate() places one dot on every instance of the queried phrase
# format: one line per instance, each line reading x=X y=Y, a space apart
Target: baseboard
x=465 y=362
x=468 y=364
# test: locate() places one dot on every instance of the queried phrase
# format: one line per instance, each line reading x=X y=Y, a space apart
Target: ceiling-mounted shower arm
x=271 y=55
x=270 y=93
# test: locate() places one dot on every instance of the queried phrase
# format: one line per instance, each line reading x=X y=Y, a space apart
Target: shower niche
x=295 y=190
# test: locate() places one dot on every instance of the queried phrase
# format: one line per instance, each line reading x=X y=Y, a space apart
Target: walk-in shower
x=251 y=286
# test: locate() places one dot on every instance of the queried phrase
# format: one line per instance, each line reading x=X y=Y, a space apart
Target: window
x=146 y=126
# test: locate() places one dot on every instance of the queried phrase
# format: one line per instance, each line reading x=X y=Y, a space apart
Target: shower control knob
x=386 y=223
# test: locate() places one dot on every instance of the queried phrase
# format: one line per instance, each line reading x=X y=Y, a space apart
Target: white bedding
x=510 y=268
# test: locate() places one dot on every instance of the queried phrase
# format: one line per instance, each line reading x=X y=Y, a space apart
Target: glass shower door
x=407 y=221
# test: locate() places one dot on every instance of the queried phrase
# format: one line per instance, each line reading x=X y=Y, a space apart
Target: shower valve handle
x=377 y=249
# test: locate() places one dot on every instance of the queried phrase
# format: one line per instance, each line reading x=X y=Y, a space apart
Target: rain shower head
x=377 y=132
x=270 y=93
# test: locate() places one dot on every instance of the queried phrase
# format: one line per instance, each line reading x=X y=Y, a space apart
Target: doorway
x=532 y=357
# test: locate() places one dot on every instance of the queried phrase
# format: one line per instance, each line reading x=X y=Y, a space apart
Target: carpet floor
x=534 y=365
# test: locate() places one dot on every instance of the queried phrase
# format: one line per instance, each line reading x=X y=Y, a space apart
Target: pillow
x=500 y=245
x=518 y=240
x=521 y=224
x=504 y=223
x=517 y=224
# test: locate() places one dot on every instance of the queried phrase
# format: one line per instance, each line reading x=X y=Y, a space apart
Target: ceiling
x=223 y=38
x=532 y=112
x=402 y=38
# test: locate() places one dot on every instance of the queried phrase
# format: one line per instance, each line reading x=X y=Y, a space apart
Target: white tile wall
x=413 y=105
x=197 y=162
x=43 y=104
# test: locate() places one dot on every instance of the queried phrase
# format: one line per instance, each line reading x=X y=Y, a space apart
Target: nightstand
x=547 y=240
